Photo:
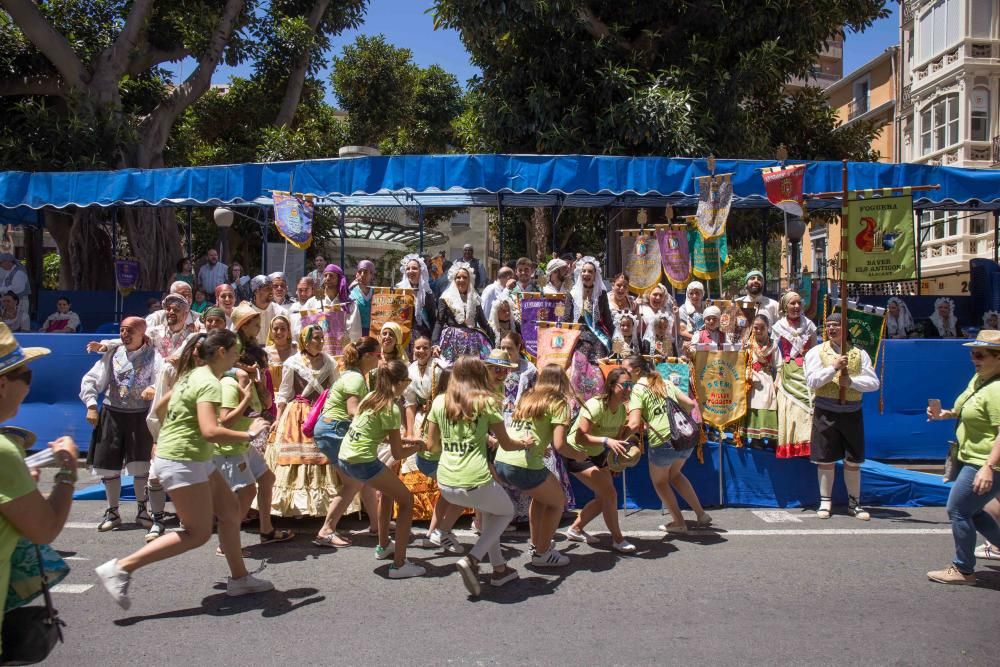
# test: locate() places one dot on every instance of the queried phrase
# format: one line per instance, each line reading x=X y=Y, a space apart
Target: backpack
x=684 y=432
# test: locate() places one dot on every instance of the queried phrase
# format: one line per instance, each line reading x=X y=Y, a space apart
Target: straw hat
x=242 y=314
x=988 y=338
x=619 y=462
x=13 y=355
x=500 y=358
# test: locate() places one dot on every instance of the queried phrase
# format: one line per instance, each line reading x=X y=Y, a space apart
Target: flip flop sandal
x=332 y=541
x=276 y=536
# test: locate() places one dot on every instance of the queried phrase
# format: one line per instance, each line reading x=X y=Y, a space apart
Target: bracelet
x=65 y=477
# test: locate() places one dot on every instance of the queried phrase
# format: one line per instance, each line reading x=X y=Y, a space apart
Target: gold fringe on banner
x=562 y=325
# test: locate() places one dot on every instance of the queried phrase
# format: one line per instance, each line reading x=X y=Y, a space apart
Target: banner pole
x=844 y=217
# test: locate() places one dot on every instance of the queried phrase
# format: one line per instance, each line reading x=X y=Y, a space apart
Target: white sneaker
x=624 y=547
x=987 y=551
x=447 y=541
x=383 y=553
x=247 y=585
x=579 y=536
x=115 y=581
x=550 y=558
x=406 y=571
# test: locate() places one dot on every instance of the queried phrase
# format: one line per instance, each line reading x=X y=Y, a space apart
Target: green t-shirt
x=979 y=421
x=463 y=461
x=367 y=432
x=603 y=424
x=231 y=397
x=181 y=438
x=15 y=482
x=654 y=410
x=541 y=430
x=351 y=383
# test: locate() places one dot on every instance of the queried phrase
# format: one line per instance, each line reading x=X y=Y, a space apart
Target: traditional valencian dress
x=305 y=482
x=461 y=327
x=794 y=339
x=762 y=415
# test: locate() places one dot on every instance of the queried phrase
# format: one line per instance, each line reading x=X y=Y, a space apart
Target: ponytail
x=203 y=346
x=354 y=350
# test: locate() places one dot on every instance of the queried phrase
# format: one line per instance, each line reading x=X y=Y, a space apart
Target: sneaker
x=550 y=558
x=447 y=541
x=111 y=520
x=156 y=528
x=624 y=547
x=116 y=581
x=574 y=535
x=470 y=575
x=499 y=579
x=142 y=516
x=951 y=575
x=406 y=570
x=987 y=551
x=382 y=553
x=673 y=528
x=247 y=586
x=859 y=512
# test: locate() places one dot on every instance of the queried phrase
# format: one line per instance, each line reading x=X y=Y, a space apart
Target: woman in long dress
x=416 y=277
x=898 y=320
x=461 y=327
x=305 y=482
x=690 y=314
x=280 y=347
x=795 y=335
x=591 y=308
x=764 y=358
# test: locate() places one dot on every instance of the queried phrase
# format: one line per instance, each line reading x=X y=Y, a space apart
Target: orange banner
x=393 y=304
x=556 y=343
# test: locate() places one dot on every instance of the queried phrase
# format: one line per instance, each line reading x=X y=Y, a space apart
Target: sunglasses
x=626 y=385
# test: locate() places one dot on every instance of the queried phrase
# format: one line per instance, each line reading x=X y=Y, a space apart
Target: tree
x=87 y=77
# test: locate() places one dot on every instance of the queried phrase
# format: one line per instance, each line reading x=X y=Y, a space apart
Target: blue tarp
x=479 y=180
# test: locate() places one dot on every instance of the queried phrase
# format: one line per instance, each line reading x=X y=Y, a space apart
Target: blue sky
x=406 y=23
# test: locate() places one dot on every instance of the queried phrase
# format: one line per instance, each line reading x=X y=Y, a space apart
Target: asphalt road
x=774 y=588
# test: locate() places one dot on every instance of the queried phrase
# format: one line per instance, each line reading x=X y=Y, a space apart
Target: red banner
x=784 y=188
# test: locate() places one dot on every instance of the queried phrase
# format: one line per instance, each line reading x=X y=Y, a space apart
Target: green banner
x=865 y=330
x=880 y=240
x=708 y=257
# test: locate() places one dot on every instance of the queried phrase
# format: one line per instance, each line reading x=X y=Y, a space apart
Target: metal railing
x=857 y=107
x=995 y=152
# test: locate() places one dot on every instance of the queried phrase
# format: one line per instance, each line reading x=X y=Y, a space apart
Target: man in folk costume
x=558 y=271
x=361 y=293
x=305 y=303
x=262 y=291
x=167 y=338
x=159 y=317
x=125 y=375
x=838 y=431
x=755 y=298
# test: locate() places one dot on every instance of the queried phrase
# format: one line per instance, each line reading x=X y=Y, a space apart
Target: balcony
x=995 y=152
x=857 y=107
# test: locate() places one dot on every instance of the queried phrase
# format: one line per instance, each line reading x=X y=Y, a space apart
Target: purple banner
x=536 y=308
x=334 y=325
x=126 y=275
x=293 y=216
x=674 y=254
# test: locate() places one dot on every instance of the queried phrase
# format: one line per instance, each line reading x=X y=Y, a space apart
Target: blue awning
x=480 y=180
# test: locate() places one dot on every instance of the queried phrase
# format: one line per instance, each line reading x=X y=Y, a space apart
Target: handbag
x=952 y=464
x=25 y=582
x=30 y=633
x=309 y=425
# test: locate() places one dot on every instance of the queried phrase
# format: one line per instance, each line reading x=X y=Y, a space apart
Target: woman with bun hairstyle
x=184 y=466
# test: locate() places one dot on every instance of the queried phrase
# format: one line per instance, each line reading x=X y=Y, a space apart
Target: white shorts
x=241 y=470
x=175 y=474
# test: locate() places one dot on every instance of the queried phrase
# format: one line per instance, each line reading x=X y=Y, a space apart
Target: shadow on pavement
x=272 y=604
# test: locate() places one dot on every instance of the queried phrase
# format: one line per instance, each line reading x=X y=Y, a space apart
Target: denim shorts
x=329 y=434
x=427 y=467
x=524 y=479
x=362 y=472
x=664 y=455
x=241 y=470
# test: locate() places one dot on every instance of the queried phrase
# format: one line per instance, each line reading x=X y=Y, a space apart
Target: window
x=859 y=105
x=819 y=258
x=982 y=18
x=979 y=129
x=977 y=226
x=939 y=29
x=936 y=225
x=939 y=125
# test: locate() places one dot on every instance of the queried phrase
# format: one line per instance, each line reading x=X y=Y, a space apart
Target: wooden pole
x=843 y=271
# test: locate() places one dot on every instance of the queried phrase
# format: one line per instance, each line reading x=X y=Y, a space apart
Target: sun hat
x=619 y=462
x=12 y=355
x=500 y=358
x=988 y=338
x=242 y=314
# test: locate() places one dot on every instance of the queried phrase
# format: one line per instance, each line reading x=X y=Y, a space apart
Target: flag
x=720 y=380
x=556 y=343
x=865 y=327
x=333 y=321
x=641 y=260
x=535 y=308
x=393 y=304
x=880 y=244
x=126 y=275
x=677 y=372
x=674 y=254
x=715 y=196
x=784 y=188
x=708 y=256
x=293 y=216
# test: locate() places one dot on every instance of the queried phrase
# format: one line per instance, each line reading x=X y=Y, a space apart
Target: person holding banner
x=691 y=318
x=416 y=278
x=262 y=291
x=647 y=406
x=762 y=411
x=461 y=327
x=361 y=294
x=755 y=299
x=795 y=335
x=305 y=303
x=710 y=337
x=557 y=271
x=598 y=429
x=524 y=270
x=590 y=307
x=838 y=431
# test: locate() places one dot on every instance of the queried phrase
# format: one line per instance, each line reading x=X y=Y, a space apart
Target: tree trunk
x=155 y=241
x=538 y=234
x=297 y=77
x=85 y=257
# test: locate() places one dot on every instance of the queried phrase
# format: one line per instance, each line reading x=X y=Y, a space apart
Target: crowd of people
x=238 y=411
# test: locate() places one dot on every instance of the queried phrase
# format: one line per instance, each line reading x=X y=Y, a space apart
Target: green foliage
x=744 y=257
x=50 y=271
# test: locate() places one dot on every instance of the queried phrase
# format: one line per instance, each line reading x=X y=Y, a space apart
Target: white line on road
x=80 y=524
x=776 y=516
x=74 y=558
x=72 y=588
x=766 y=532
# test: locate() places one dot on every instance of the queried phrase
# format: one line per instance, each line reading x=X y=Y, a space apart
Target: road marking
x=80 y=524
x=72 y=588
x=74 y=558
x=776 y=516
x=764 y=532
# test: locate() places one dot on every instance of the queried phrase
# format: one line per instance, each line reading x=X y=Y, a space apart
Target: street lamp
x=223 y=220
x=795 y=229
